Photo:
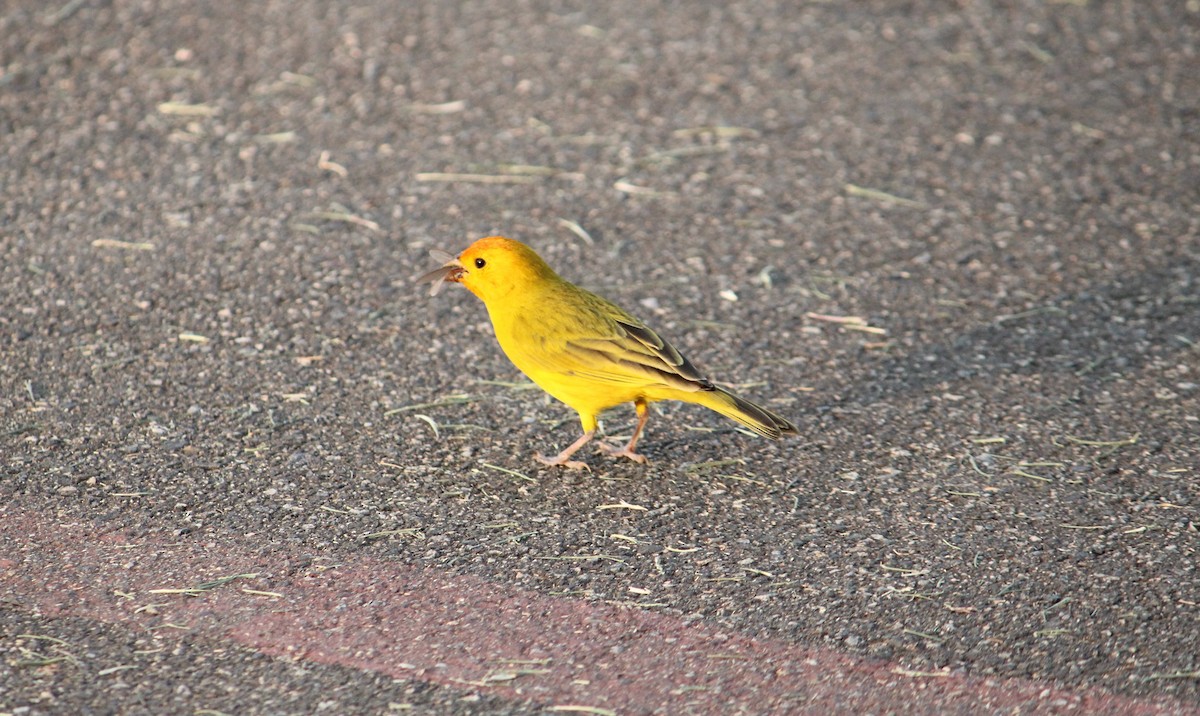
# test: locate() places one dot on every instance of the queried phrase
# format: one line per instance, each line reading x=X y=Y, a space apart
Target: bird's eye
x=480 y=263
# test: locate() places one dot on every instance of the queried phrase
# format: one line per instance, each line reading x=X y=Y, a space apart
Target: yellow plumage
x=584 y=350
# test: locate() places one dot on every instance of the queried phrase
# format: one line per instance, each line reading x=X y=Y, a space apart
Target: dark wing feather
x=614 y=348
x=666 y=353
x=633 y=353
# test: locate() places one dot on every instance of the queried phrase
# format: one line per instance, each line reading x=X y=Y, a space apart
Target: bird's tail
x=754 y=416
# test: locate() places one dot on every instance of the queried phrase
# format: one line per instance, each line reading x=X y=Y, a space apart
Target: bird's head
x=492 y=268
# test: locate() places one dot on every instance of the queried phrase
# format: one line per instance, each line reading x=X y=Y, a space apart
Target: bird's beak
x=451 y=272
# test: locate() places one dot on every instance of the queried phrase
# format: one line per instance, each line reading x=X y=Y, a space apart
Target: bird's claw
x=611 y=451
x=562 y=462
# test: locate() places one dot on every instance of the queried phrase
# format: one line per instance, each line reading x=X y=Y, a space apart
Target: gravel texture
x=211 y=214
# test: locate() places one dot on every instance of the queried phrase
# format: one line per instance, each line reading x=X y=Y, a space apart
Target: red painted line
x=469 y=633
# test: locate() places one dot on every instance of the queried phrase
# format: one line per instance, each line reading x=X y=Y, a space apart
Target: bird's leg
x=562 y=457
x=643 y=411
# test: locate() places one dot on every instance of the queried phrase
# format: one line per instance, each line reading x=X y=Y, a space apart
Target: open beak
x=451 y=272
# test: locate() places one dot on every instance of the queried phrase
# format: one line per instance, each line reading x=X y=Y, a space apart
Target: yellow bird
x=582 y=349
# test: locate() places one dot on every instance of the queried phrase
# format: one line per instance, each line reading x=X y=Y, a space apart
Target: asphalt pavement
x=248 y=466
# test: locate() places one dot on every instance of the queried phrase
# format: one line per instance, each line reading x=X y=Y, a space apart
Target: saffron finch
x=582 y=349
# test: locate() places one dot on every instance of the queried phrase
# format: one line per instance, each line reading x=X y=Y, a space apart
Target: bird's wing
x=631 y=353
x=592 y=338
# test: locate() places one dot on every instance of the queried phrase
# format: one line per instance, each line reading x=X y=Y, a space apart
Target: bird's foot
x=626 y=451
x=563 y=458
x=562 y=461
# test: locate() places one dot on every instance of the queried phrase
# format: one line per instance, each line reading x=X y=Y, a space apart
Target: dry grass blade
x=177 y=73
x=575 y=708
x=906 y=571
x=261 y=593
x=297 y=79
x=1090 y=132
x=1036 y=52
x=1004 y=318
x=510 y=384
x=431 y=422
x=759 y=572
x=865 y=328
x=908 y=593
x=882 y=196
x=836 y=319
x=739 y=478
x=39 y=637
x=181 y=627
x=404 y=532
x=221 y=581
x=536 y=170
x=343 y=217
x=849 y=323
x=324 y=164
x=920 y=674
x=578 y=230
x=32 y=658
x=1021 y=473
x=1102 y=443
x=509 y=675
x=127 y=245
x=718 y=131
x=183 y=109
x=682 y=152
x=1174 y=675
x=506 y=471
x=277 y=137
x=456 y=399
x=635 y=190
x=622 y=505
x=204 y=586
x=1051 y=632
x=591 y=31
x=997 y=440
x=477 y=178
x=1056 y=605
x=535 y=662
x=452 y=107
